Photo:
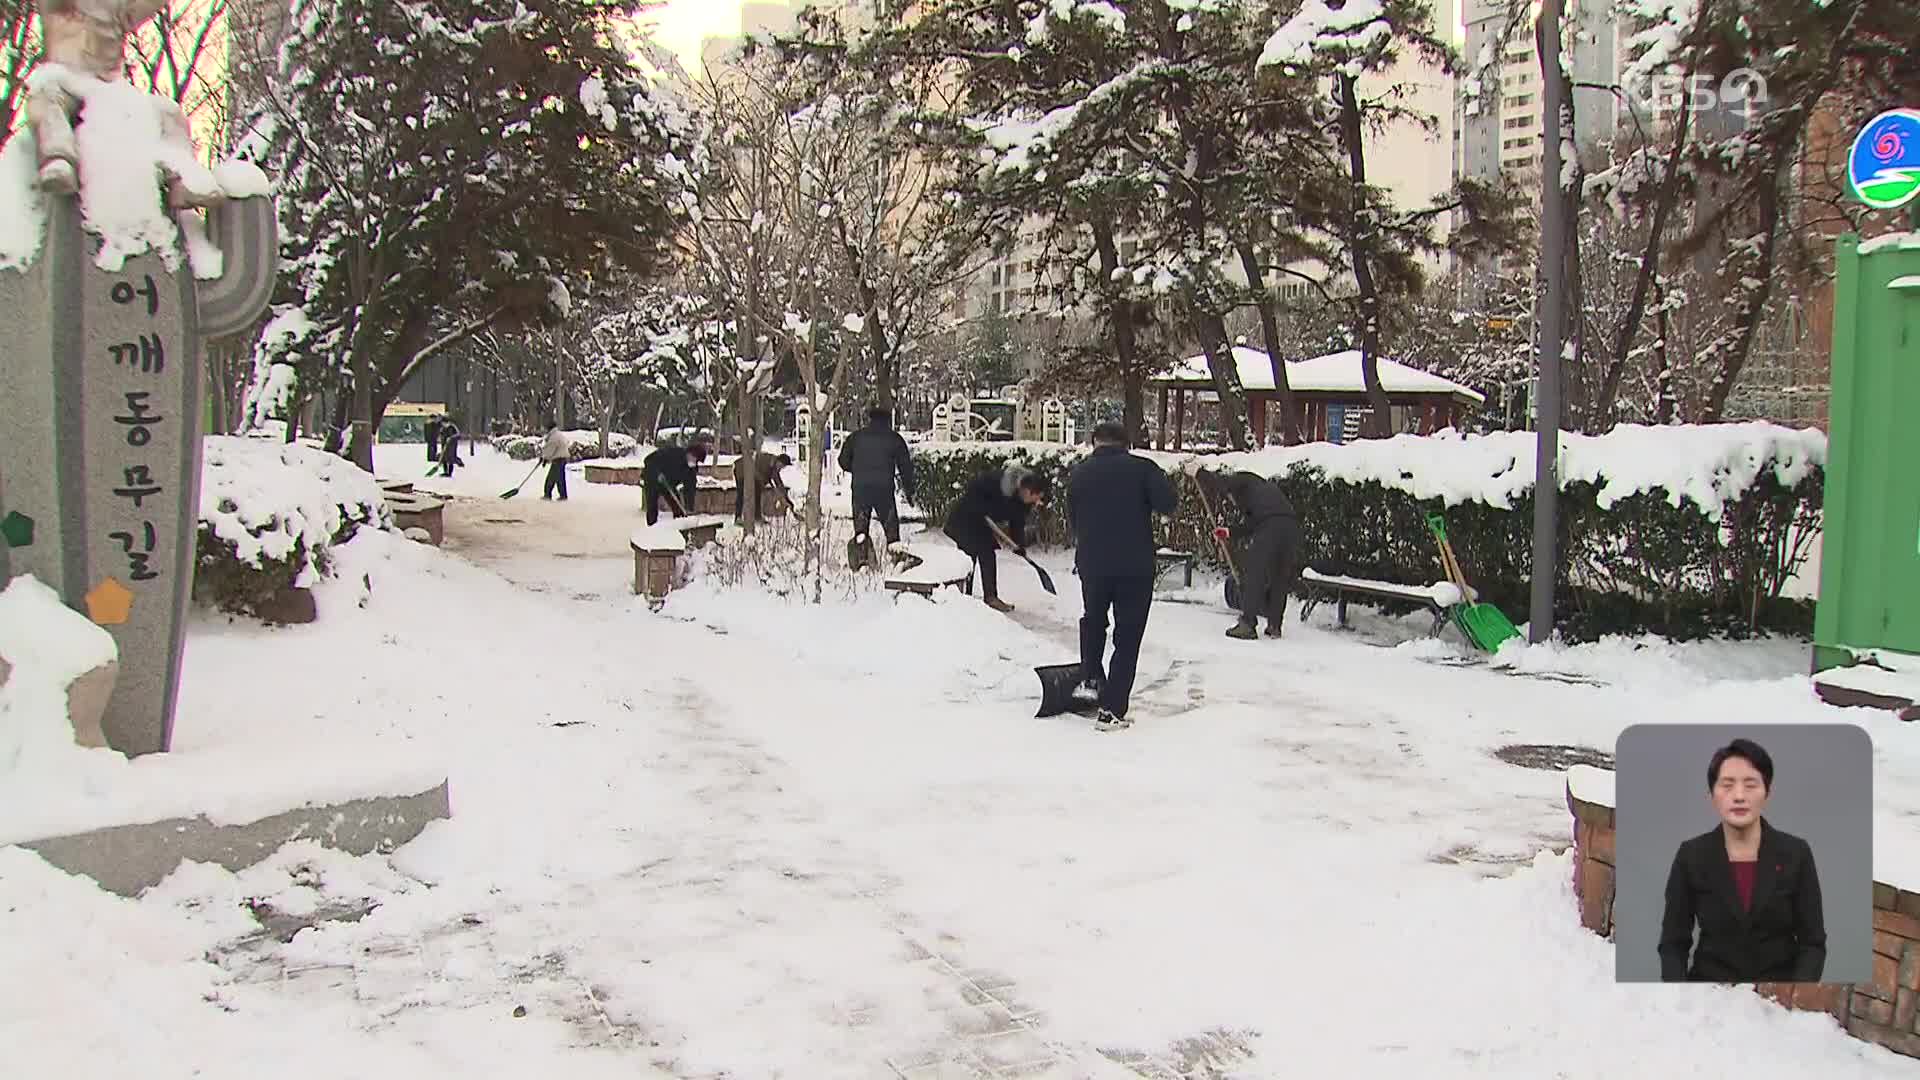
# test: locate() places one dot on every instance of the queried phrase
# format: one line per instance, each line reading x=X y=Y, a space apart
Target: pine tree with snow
x=446 y=166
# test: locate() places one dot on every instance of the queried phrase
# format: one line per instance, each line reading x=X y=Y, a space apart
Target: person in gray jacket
x=872 y=456
x=1267 y=545
x=555 y=451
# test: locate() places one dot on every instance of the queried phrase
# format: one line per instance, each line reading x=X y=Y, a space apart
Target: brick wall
x=1885 y=1011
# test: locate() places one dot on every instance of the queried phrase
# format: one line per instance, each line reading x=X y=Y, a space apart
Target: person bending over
x=1003 y=498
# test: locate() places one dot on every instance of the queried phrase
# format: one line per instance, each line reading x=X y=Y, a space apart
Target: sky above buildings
x=681 y=25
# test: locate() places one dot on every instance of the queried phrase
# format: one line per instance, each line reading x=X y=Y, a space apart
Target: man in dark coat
x=433 y=438
x=766 y=474
x=1111 y=501
x=668 y=469
x=872 y=456
x=1003 y=497
x=1267 y=546
x=449 y=447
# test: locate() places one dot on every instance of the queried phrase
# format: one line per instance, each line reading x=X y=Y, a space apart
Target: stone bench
x=1317 y=588
x=413 y=511
x=1880 y=1012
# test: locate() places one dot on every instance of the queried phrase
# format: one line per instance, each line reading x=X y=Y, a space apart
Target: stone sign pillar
x=100 y=387
x=942 y=423
x=100 y=403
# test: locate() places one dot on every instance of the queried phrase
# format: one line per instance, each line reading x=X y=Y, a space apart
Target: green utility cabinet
x=1870 y=551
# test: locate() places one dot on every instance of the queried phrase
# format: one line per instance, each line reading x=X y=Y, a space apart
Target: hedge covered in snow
x=1683 y=531
x=582 y=446
x=269 y=514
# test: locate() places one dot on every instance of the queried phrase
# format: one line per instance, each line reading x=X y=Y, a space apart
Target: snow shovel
x=1485 y=625
x=523 y=482
x=1046 y=579
x=1226 y=550
x=1061 y=692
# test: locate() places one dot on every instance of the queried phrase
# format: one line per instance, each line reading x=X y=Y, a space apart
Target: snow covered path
x=746 y=839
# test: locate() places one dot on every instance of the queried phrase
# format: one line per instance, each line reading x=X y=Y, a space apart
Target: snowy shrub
x=583 y=446
x=269 y=515
x=776 y=559
x=1681 y=531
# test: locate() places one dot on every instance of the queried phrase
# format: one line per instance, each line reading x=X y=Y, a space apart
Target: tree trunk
x=1360 y=245
x=1270 y=330
x=1754 y=304
x=1606 y=407
x=606 y=426
x=1211 y=329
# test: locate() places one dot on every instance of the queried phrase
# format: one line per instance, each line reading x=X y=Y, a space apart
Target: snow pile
x=283 y=502
x=126 y=153
x=659 y=538
x=1707 y=465
x=935 y=565
x=1356 y=26
x=47 y=646
x=1591 y=784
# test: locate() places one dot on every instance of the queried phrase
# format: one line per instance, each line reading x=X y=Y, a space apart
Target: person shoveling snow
x=1111 y=501
x=1269 y=541
x=996 y=501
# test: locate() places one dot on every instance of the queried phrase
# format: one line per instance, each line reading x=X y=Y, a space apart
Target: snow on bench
x=1438 y=597
x=659 y=539
x=929 y=567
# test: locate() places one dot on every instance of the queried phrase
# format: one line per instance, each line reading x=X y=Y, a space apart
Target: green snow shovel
x=515 y=490
x=1485 y=625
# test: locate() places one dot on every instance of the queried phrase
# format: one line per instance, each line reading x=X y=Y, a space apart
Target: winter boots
x=999 y=605
x=1244 y=630
x=1105 y=720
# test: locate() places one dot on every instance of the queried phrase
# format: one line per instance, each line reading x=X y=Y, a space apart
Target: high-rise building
x=1500 y=116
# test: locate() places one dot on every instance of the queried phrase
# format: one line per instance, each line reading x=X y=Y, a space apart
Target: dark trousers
x=871 y=502
x=556 y=479
x=655 y=497
x=449 y=457
x=1269 y=569
x=989 y=565
x=1129 y=599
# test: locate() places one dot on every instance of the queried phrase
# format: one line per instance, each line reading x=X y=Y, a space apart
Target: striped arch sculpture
x=101 y=392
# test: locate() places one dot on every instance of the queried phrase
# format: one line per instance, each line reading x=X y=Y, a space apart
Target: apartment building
x=1500 y=118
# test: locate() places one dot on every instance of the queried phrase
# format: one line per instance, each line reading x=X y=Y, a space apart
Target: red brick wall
x=1885 y=1011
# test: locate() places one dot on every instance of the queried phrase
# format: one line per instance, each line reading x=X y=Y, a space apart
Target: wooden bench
x=1168 y=558
x=1317 y=588
x=922 y=571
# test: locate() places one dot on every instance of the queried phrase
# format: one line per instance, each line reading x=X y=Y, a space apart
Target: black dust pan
x=1060 y=691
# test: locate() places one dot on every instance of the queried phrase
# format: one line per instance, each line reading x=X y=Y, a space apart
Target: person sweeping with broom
x=1269 y=541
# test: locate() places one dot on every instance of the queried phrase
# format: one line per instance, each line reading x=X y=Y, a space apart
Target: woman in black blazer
x=1750 y=888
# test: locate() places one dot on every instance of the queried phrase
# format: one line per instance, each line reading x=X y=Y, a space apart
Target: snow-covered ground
x=745 y=838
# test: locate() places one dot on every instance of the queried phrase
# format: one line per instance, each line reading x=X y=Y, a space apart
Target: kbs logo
x=1742 y=88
